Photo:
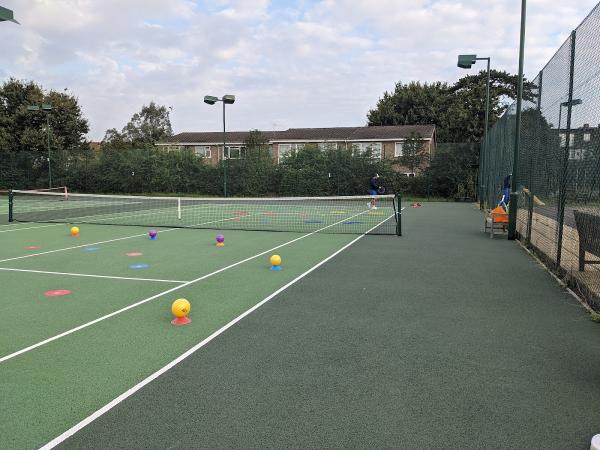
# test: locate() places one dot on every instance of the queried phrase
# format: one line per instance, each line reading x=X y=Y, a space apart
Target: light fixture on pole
x=226 y=100
x=465 y=62
x=574 y=102
x=46 y=108
x=6 y=15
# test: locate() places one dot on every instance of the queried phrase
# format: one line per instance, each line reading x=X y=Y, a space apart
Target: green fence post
x=562 y=191
x=533 y=165
x=514 y=196
x=10 y=206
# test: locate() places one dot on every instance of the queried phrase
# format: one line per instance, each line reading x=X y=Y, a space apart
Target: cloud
x=297 y=64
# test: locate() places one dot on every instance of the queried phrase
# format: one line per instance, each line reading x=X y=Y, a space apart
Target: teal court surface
x=441 y=338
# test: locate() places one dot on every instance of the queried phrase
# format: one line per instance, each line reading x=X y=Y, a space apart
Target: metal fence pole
x=533 y=165
x=562 y=192
x=514 y=197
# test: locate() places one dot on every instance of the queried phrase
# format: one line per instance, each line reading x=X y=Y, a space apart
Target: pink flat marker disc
x=57 y=293
x=32 y=247
x=134 y=254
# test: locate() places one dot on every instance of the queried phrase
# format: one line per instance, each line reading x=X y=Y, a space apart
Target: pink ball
x=220 y=238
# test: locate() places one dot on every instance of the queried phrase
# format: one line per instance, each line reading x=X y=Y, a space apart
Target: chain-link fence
x=558 y=171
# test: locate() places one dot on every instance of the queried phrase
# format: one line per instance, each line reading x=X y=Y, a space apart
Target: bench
x=497 y=219
x=588 y=229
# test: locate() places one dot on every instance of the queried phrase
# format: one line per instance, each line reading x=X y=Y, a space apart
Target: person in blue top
x=375 y=189
x=505 y=191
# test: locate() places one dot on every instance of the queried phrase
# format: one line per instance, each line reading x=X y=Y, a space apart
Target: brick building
x=384 y=142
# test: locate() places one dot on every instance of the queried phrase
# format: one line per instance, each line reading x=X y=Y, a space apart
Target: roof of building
x=310 y=134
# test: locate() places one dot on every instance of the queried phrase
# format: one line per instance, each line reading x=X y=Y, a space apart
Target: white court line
x=160 y=294
x=108 y=240
x=71 y=431
x=90 y=275
x=31 y=228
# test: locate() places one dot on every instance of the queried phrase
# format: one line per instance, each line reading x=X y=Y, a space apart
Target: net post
x=398 y=207
x=179 y=208
x=66 y=193
x=10 y=205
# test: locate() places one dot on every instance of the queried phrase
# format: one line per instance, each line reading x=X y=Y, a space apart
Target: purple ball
x=220 y=238
x=152 y=233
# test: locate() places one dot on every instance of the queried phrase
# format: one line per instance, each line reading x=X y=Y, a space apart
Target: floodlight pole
x=211 y=100
x=487 y=120
x=465 y=62
x=224 y=157
x=46 y=108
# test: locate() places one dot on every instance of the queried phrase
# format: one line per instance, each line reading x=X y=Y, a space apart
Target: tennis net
x=348 y=214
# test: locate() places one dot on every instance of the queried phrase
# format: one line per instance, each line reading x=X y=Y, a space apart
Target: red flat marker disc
x=32 y=247
x=134 y=254
x=57 y=293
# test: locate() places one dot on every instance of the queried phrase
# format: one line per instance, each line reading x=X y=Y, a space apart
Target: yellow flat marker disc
x=375 y=213
x=338 y=212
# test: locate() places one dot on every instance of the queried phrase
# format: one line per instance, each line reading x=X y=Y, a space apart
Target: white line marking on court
x=71 y=431
x=90 y=275
x=109 y=240
x=31 y=228
x=71 y=248
x=168 y=291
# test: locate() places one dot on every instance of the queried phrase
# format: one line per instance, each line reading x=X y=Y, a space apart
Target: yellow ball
x=181 y=307
x=74 y=231
x=275 y=260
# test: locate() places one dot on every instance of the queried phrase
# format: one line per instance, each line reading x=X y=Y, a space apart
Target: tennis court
x=362 y=340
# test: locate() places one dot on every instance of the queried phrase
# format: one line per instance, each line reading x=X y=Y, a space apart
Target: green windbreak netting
x=558 y=172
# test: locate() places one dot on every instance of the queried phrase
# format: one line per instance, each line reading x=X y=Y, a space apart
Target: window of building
x=235 y=152
x=202 y=151
x=562 y=138
x=325 y=146
x=398 y=150
x=586 y=137
x=409 y=174
x=576 y=154
x=286 y=149
x=360 y=148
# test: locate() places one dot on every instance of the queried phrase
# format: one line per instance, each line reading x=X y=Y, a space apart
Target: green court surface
x=442 y=338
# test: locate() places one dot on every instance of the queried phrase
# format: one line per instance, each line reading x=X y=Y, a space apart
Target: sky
x=290 y=64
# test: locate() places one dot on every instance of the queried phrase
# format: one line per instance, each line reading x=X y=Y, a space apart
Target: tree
x=23 y=130
x=255 y=173
x=457 y=110
x=413 y=156
x=256 y=145
x=145 y=128
x=24 y=134
x=452 y=166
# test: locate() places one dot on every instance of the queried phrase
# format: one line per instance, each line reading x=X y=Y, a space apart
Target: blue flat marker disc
x=352 y=223
x=90 y=249
x=138 y=266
